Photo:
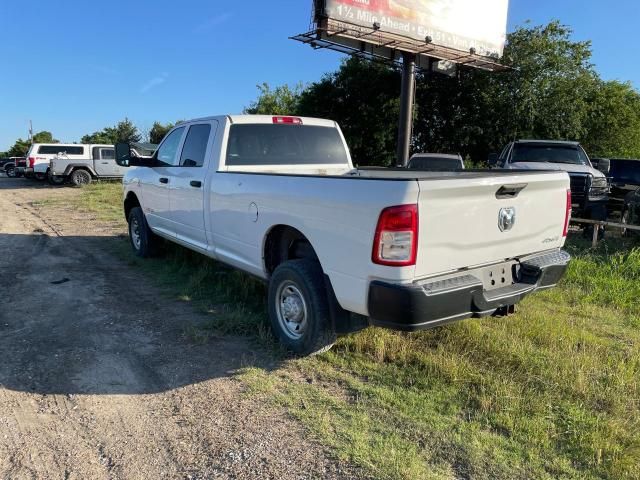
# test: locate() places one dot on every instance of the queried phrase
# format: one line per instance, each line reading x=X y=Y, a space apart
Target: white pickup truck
x=279 y=198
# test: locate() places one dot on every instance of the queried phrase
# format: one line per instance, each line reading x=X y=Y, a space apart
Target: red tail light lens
x=567 y=216
x=32 y=162
x=287 y=120
x=396 y=240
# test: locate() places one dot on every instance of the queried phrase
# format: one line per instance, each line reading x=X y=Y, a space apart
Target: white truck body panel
x=337 y=208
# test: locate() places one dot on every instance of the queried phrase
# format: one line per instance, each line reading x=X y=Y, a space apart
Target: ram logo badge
x=506 y=219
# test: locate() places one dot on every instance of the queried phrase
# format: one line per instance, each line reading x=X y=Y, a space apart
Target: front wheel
x=143 y=241
x=299 y=309
x=39 y=176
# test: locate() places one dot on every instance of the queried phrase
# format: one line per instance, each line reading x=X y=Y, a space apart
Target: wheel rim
x=82 y=179
x=134 y=231
x=291 y=309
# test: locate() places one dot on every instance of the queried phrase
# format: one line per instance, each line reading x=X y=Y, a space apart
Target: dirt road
x=96 y=378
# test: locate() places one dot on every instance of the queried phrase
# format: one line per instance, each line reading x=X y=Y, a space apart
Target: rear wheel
x=11 y=172
x=143 y=241
x=299 y=309
x=55 y=179
x=80 y=178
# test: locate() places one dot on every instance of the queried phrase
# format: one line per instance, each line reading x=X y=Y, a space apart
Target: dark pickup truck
x=589 y=185
x=624 y=175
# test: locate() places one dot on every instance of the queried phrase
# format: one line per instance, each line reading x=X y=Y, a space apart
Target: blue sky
x=74 y=67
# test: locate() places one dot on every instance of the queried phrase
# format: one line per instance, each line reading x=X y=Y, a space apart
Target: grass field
x=552 y=392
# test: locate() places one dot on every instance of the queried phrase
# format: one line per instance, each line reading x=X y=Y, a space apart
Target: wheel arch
x=130 y=202
x=284 y=242
x=72 y=168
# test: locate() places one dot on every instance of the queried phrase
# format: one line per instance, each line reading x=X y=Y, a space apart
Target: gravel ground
x=96 y=378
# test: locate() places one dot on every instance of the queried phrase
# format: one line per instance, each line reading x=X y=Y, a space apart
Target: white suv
x=40 y=154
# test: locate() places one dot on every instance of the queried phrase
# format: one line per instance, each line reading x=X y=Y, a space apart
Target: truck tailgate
x=459 y=219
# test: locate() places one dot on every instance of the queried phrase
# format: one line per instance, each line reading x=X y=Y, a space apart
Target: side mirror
x=123 y=154
x=604 y=165
x=128 y=157
x=493 y=159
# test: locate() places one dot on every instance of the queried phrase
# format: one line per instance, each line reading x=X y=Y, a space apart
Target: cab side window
x=169 y=148
x=107 y=154
x=195 y=146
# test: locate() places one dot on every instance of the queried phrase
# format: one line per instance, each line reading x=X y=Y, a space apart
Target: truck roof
x=453 y=156
x=550 y=142
x=265 y=119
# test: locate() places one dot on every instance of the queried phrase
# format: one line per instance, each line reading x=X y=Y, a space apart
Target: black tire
x=11 y=172
x=40 y=176
x=143 y=241
x=56 y=179
x=80 y=177
x=302 y=282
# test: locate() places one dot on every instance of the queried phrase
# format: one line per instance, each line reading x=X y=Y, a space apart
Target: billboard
x=459 y=25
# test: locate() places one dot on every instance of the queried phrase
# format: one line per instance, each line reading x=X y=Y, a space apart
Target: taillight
x=32 y=162
x=287 y=120
x=396 y=240
x=567 y=215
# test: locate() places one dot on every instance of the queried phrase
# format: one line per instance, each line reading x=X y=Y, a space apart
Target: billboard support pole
x=407 y=100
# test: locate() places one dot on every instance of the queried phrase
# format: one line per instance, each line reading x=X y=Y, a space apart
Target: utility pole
x=407 y=100
x=30 y=132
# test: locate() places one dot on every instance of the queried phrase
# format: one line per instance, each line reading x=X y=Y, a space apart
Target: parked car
x=101 y=166
x=589 y=186
x=15 y=166
x=100 y=163
x=436 y=162
x=631 y=212
x=40 y=154
x=279 y=198
x=624 y=176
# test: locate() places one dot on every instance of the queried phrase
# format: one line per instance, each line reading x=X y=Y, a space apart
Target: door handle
x=164 y=180
x=195 y=183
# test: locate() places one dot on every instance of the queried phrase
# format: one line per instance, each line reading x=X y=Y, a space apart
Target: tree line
x=551 y=91
x=123 y=131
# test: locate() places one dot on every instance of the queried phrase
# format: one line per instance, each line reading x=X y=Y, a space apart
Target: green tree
x=547 y=94
x=362 y=97
x=21 y=147
x=613 y=126
x=282 y=100
x=551 y=91
x=158 y=131
x=124 y=131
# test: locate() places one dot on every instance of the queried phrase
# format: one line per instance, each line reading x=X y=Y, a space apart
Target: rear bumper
x=439 y=301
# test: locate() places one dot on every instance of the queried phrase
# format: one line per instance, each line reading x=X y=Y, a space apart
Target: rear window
x=55 y=149
x=549 y=154
x=267 y=144
x=435 y=164
x=625 y=171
